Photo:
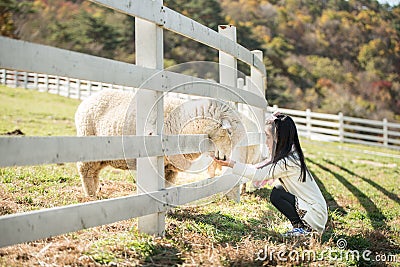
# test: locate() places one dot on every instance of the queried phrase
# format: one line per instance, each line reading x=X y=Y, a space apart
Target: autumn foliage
x=330 y=56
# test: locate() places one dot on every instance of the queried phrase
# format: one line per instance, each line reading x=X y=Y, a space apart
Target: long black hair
x=287 y=142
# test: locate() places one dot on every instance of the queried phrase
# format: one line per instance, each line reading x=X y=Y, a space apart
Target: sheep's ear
x=226 y=124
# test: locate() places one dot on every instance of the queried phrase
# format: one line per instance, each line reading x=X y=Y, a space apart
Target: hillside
x=360 y=184
x=331 y=56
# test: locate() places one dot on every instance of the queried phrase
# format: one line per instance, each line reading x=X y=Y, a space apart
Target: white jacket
x=310 y=204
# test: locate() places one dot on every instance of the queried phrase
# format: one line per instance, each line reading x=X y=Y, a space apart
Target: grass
x=359 y=183
x=35 y=113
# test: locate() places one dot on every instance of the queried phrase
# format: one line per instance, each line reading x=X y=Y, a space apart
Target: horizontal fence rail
x=30 y=226
x=48 y=150
x=77 y=75
x=36 y=150
x=20 y=55
x=173 y=21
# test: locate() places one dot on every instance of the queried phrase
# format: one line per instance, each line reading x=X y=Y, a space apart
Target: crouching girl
x=295 y=192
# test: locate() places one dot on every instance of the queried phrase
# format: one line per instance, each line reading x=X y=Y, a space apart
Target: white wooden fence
x=152 y=201
x=63 y=86
x=322 y=126
x=340 y=128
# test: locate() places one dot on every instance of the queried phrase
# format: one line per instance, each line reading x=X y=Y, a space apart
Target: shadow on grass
x=374 y=214
x=262 y=192
x=223 y=228
x=390 y=195
x=362 y=239
x=163 y=255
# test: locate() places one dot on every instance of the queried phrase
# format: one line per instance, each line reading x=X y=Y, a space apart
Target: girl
x=295 y=194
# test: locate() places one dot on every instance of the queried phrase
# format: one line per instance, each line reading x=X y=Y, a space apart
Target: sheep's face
x=220 y=121
x=225 y=135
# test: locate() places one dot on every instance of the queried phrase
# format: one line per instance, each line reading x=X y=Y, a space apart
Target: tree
x=373 y=57
x=182 y=49
x=342 y=52
x=11 y=10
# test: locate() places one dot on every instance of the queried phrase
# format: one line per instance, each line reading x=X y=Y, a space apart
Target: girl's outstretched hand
x=227 y=162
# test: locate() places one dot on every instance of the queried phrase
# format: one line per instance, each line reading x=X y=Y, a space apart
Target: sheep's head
x=225 y=133
x=219 y=120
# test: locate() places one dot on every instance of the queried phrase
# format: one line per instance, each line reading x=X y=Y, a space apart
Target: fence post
x=227 y=63
x=150 y=171
x=39 y=81
x=25 y=80
x=308 y=122
x=257 y=87
x=15 y=79
x=78 y=89
x=385 y=132
x=341 y=127
x=68 y=86
x=240 y=85
x=46 y=82
x=228 y=76
x=57 y=81
x=89 y=88
x=35 y=81
x=4 y=77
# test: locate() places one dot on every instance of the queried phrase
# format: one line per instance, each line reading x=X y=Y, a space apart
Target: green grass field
x=361 y=185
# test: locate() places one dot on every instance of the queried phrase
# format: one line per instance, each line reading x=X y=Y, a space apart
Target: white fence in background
x=340 y=128
x=321 y=126
x=153 y=200
x=63 y=86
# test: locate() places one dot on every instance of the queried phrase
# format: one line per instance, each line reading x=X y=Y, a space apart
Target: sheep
x=111 y=112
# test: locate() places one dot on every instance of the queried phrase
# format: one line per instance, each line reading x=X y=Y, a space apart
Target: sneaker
x=297 y=232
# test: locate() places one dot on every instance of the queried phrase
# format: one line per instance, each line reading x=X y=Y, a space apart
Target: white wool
x=112 y=112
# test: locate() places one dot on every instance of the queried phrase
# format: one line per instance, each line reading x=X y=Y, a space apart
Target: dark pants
x=285 y=203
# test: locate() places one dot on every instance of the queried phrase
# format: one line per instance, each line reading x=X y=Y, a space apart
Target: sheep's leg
x=213 y=168
x=170 y=176
x=243 y=189
x=89 y=173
